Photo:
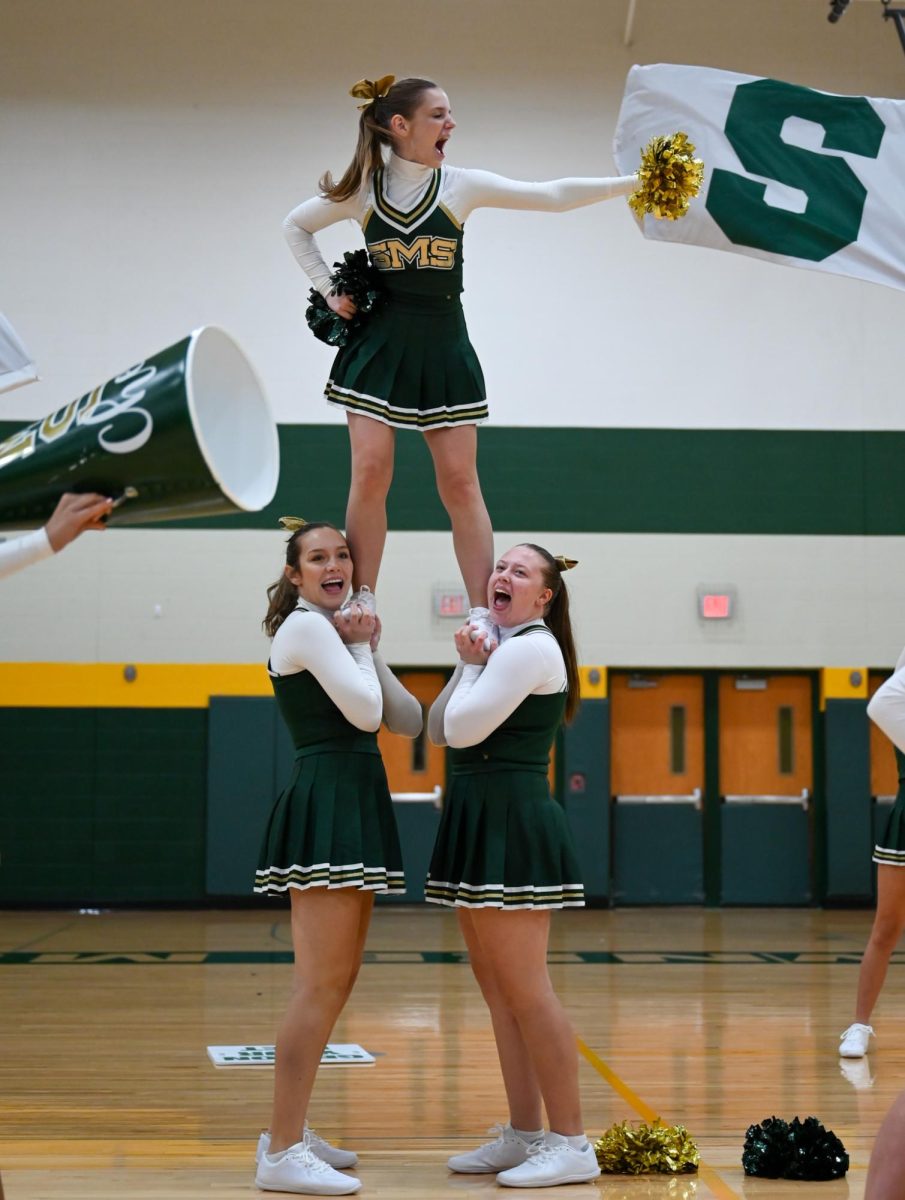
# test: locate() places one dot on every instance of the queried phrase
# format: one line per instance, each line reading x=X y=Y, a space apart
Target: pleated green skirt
x=333 y=826
x=411 y=366
x=503 y=842
x=890 y=851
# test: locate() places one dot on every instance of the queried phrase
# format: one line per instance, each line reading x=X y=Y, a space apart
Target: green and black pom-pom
x=354 y=277
x=776 y=1149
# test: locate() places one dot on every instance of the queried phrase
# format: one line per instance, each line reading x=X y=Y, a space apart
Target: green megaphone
x=187 y=432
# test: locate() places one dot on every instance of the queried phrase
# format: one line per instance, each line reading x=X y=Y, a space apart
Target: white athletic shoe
x=332 y=1155
x=364 y=598
x=551 y=1162
x=480 y=622
x=298 y=1169
x=853 y=1043
x=507 y=1151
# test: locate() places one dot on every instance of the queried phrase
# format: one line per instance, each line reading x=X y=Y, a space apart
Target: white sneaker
x=364 y=598
x=480 y=622
x=332 y=1155
x=551 y=1162
x=853 y=1043
x=507 y=1151
x=298 y=1169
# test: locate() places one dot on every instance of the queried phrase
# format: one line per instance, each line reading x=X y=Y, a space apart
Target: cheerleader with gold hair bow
x=331 y=841
x=411 y=365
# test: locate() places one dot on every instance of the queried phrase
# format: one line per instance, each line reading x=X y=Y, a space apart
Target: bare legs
x=454 y=452
x=373 y=446
x=329 y=928
x=535 y=1040
x=455 y=455
x=887 y=929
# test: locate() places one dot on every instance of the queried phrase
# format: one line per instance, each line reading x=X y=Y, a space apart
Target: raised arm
x=401 y=711
x=483 y=189
x=486 y=696
x=887 y=708
x=307 y=641
x=308 y=219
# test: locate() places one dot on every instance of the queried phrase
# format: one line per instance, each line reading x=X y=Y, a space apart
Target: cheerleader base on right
x=504 y=857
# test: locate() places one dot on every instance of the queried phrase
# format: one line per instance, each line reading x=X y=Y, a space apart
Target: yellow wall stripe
x=842 y=683
x=104 y=685
x=593 y=683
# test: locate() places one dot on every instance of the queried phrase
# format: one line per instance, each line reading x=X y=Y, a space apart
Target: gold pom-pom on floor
x=669 y=175
x=641 y=1149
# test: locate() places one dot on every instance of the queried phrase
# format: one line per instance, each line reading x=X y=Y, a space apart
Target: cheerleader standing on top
x=886 y=709
x=504 y=858
x=331 y=840
x=413 y=366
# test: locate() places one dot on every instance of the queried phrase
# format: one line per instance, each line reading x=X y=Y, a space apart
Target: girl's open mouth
x=500 y=599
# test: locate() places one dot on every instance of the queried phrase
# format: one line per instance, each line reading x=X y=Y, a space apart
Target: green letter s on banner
x=836 y=196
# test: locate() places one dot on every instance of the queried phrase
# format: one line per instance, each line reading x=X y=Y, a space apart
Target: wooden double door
x=711 y=781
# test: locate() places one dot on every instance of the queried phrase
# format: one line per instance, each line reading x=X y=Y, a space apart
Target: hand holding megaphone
x=74 y=514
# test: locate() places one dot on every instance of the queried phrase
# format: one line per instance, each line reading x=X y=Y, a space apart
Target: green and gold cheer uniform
x=333 y=824
x=503 y=841
x=412 y=365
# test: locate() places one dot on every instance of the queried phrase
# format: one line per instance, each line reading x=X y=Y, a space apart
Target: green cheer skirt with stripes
x=332 y=826
x=890 y=851
x=503 y=842
x=411 y=366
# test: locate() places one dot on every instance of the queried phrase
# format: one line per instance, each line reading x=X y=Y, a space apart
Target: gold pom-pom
x=641 y=1149
x=293 y=524
x=669 y=176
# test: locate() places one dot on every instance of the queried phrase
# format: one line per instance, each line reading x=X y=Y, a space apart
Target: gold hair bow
x=293 y=524
x=370 y=90
x=565 y=564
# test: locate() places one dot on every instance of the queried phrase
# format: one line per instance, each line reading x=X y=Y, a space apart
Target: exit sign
x=451 y=602
x=716 y=604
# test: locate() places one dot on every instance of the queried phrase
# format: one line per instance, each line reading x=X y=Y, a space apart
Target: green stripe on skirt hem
x=465 y=895
x=888 y=858
x=380 y=410
x=275 y=880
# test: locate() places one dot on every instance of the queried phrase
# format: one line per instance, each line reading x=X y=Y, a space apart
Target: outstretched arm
x=23 y=551
x=483 y=189
x=74 y=513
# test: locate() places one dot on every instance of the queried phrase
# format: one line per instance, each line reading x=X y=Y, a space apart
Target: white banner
x=16 y=367
x=792 y=175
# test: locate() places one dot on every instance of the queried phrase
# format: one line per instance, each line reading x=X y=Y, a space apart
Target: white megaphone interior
x=233 y=424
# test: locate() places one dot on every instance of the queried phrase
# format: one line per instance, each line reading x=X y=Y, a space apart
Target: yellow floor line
x=711 y=1177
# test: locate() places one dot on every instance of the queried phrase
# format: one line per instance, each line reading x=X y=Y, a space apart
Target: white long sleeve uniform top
x=477 y=700
x=887 y=706
x=23 y=551
x=462 y=190
x=358 y=682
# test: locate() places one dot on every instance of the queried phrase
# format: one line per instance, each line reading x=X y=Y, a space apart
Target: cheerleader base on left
x=333 y=825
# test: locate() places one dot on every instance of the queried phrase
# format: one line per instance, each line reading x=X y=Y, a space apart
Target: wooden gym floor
x=711 y=1018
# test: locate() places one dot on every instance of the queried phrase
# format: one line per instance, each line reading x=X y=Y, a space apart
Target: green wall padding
x=102 y=805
